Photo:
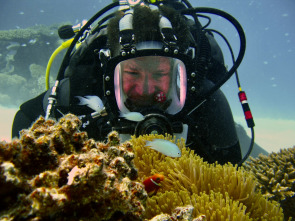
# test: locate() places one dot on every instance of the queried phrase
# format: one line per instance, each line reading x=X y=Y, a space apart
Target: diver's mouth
x=147 y=99
x=144 y=102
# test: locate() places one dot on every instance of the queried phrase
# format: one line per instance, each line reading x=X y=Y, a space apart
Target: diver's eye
x=132 y=73
x=158 y=75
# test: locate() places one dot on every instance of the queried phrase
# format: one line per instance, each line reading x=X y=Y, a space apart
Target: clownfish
x=152 y=183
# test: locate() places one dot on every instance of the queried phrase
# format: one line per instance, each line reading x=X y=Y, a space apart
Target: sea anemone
x=214 y=190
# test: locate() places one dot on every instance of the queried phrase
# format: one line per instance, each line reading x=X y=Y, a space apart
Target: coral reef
x=23 y=59
x=28 y=33
x=276 y=177
x=38 y=77
x=213 y=190
x=11 y=80
x=55 y=172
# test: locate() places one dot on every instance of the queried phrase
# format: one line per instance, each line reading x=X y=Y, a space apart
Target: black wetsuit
x=211 y=131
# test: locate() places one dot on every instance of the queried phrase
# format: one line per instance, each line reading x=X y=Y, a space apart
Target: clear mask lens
x=150 y=82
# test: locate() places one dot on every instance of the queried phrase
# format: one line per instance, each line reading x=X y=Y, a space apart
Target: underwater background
x=266 y=73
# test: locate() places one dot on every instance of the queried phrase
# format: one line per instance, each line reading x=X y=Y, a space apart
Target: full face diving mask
x=151 y=81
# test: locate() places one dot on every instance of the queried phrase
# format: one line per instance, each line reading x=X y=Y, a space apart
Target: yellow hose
x=64 y=45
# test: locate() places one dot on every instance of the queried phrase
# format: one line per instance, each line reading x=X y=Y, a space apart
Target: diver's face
x=145 y=77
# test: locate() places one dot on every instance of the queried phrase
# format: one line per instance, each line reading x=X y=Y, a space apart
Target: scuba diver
x=149 y=67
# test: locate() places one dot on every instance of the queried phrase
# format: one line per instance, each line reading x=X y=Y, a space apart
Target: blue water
x=267 y=71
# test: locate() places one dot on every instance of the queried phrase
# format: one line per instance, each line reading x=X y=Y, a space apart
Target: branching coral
x=215 y=190
x=55 y=172
x=276 y=176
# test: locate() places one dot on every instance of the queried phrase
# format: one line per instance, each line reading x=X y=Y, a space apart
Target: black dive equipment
x=68 y=31
x=156 y=122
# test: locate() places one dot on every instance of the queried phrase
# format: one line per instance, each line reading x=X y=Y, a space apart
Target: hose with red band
x=246 y=109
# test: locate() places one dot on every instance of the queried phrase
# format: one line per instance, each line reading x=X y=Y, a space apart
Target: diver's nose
x=148 y=87
x=142 y=86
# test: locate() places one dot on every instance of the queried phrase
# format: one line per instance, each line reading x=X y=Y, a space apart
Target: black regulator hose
x=236 y=24
x=66 y=59
x=187 y=3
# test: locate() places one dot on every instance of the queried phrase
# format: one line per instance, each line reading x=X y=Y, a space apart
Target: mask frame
x=111 y=63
